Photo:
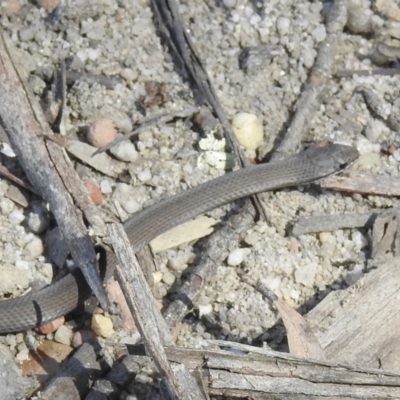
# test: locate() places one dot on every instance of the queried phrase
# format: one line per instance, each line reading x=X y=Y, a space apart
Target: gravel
x=118 y=39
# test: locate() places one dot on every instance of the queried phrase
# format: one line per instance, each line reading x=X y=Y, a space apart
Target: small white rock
x=248 y=130
x=102 y=326
x=204 y=310
x=283 y=25
x=16 y=217
x=305 y=275
x=144 y=176
x=37 y=222
x=129 y=74
x=105 y=186
x=125 y=151
x=131 y=206
x=6 y=206
x=237 y=256
x=63 y=335
x=319 y=33
x=360 y=241
x=35 y=248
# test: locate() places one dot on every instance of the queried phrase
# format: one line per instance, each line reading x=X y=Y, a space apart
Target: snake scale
x=61 y=297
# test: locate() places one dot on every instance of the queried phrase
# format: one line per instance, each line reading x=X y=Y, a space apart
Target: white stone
x=237 y=256
x=125 y=151
x=305 y=275
x=283 y=25
x=37 y=222
x=360 y=241
x=129 y=74
x=248 y=130
x=144 y=176
x=35 y=247
x=319 y=33
x=105 y=187
x=7 y=206
x=102 y=326
x=131 y=206
x=204 y=310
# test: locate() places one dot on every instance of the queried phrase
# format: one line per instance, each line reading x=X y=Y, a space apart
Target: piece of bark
x=363 y=183
x=273 y=373
x=101 y=162
x=24 y=123
x=148 y=319
x=330 y=223
x=184 y=233
x=360 y=325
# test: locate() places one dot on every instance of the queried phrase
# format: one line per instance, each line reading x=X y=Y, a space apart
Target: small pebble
x=7 y=206
x=105 y=187
x=38 y=221
x=35 y=247
x=125 y=151
x=129 y=74
x=324 y=237
x=168 y=278
x=305 y=275
x=94 y=192
x=360 y=241
x=131 y=206
x=16 y=217
x=63 y=335
x=248 y=130
x=102 y=326
x=51 y=326
x=157 y=276
x=204 y=310
x=319 y=33
x=283 y=25
x=144 y=176
x=101 y=132
x=22 y=355
x=237 y=256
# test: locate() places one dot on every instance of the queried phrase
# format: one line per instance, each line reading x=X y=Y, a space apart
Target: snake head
x=331 y=157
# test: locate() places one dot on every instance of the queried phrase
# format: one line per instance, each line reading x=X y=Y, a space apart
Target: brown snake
x=63 y=296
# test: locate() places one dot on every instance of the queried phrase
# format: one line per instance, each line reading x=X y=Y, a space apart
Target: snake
x=64 y=295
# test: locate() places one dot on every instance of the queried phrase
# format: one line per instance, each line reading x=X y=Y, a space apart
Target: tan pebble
x=101 y=132
x=248 y=130
x=94 y=192
x=51 y=326
x=9 y=7
x=48 y=4
x=324 y=236
x=102 y=326
x=63 y=335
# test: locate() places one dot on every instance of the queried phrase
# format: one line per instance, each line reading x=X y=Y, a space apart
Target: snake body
x=65 y=295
